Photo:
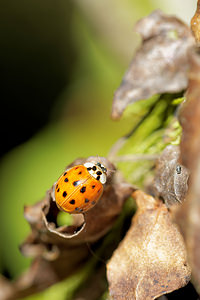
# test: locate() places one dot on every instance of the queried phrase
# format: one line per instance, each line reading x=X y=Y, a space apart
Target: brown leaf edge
x=151 y=260
x=161 y=63
x=188 y=216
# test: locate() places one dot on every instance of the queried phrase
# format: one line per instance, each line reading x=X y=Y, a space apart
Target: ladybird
x=79 y=188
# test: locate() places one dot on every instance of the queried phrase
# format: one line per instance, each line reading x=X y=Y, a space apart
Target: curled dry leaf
x=161 y=63
x=188 y=216
x=151 y=260
x=195 y=24
x=171 y=177
x=59 y=251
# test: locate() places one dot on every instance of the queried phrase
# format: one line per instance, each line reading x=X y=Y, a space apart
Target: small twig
x=135 y=157
x=116 y=147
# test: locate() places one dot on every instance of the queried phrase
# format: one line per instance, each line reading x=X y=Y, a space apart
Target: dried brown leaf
x=161 y=63
x=189 y=116
x=6 y=288
x=59 y=251
x=151 y=260
x=195 y=24
x=171 y=177
x=188 y=216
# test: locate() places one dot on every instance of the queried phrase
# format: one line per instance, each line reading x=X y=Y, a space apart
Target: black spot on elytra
x=87 y=200
x=75 y=183
x=66 y=179
x=78 y=209
x=56 y=185
x=98 y=177
x=72 y=201
x=99 y=173
x=83 y=189
x=93 y=186
x=58 y=190
x=93 y=202
x=94 y=168
x=65 y=174
x=76 y=168
x=80 y=173
x=64 y=194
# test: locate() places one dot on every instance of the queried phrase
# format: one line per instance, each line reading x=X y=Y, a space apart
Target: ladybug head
x=97 y=170
x=104 y=170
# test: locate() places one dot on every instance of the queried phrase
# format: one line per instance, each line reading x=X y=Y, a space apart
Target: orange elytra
x=79 y=188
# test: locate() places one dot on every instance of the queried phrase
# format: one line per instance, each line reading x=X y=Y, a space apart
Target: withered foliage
x=188 y=215
x=160 y=65
x=195 y=24
x=59 y=251
x=170 y=183
x=152 y=259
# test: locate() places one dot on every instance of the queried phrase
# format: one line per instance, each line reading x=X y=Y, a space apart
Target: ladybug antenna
x=98 y=158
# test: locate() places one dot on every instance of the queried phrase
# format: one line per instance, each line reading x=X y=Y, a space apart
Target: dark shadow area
x=36 y=60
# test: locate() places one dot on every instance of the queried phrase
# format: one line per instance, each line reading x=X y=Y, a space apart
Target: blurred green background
x=61 y=62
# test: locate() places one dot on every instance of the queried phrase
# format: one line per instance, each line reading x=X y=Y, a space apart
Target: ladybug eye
x=104 y=169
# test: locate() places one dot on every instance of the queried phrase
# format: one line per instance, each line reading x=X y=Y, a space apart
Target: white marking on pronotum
x=94 y=168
